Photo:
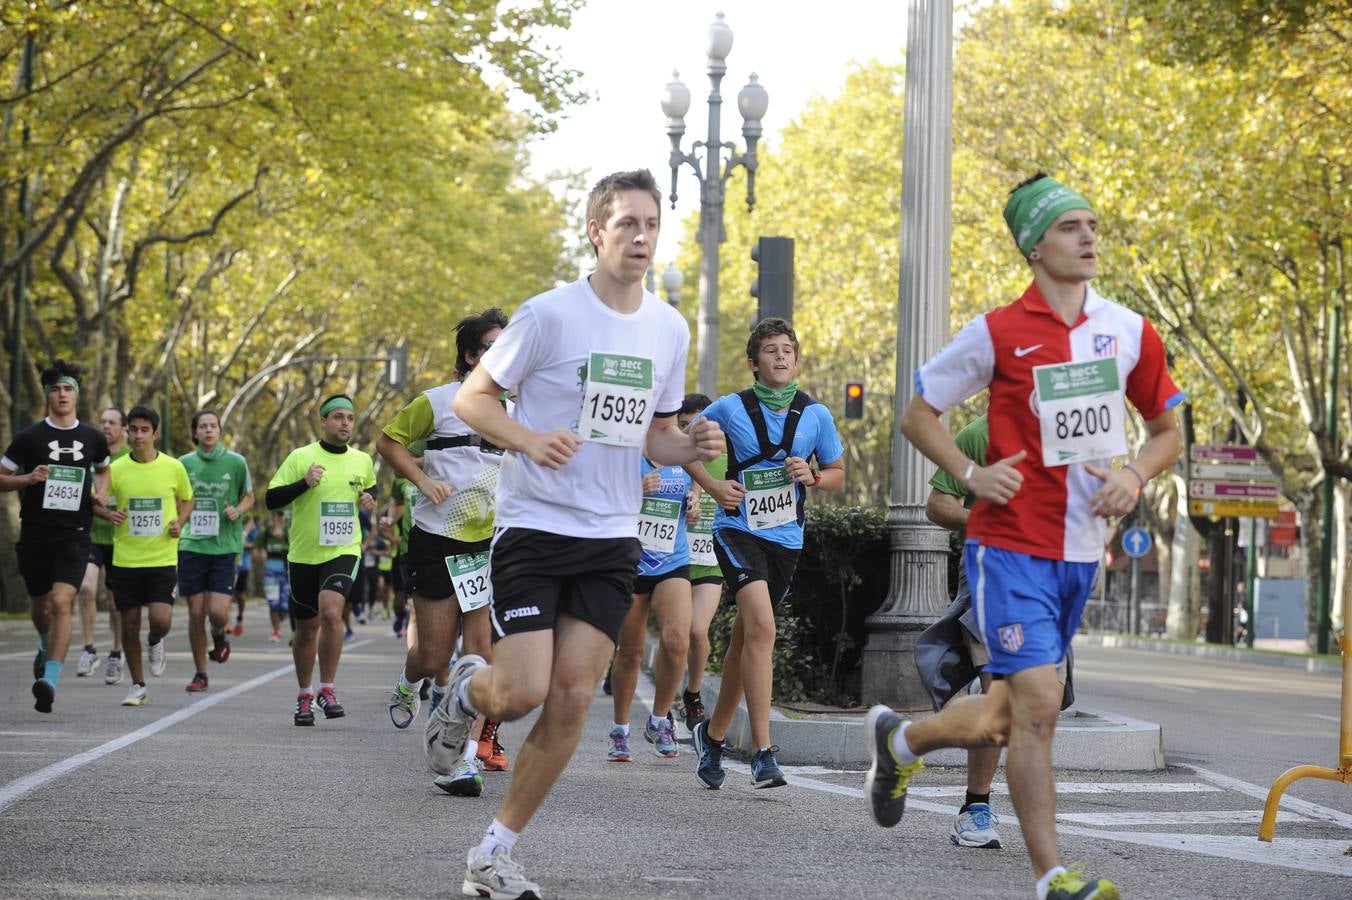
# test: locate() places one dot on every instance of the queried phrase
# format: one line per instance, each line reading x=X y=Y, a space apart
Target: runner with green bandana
x=208 y=552
x=323 y=483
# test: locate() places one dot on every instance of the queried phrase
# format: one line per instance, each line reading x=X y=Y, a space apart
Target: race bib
x=701 y=536
x=657 y=524
x=469 y=574
x=337 y=522
x=145 y=516
x=206 y=517
x=617 y=400
x=272 y=589
x=1080 y=411
x=771 y=498
x=64 y=488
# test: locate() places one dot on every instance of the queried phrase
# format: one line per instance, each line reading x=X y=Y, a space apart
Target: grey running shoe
x=975 y=827
x=404 y=705
x=112 y=670
x=464 y=780
x=497 y=876
x=89 y=658
x=156 y=653
x=885 y=785
x=448 y=726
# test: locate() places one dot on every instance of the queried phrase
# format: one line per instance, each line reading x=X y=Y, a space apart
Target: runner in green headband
x=64 y=379
x=1034 y=206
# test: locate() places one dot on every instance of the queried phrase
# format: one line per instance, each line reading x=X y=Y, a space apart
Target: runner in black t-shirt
x=50 y=462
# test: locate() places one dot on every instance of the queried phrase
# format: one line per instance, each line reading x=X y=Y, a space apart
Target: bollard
x=1343 y=773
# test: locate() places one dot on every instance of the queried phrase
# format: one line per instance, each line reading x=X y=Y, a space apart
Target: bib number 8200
x=628 y=410
x=1083 y=422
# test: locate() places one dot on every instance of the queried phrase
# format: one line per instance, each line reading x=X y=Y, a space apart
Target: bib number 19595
x=337 y=523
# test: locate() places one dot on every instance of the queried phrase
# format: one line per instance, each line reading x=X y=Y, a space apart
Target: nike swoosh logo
x=1024 y=351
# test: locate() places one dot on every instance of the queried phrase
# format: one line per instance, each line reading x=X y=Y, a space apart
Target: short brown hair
x=605 y=191
x=768 y=328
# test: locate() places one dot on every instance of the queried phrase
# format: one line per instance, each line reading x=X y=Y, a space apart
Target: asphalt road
x=219 y=795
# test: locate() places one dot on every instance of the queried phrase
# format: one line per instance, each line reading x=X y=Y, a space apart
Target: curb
x=1220 y=653
x=1085 y=740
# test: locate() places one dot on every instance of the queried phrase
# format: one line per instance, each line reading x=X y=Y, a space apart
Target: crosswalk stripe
x=1080 y=787
x=1169 y=817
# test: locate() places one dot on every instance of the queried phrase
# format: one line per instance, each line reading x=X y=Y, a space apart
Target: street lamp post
x=918 y=548
x=752 y=102
x=672 y=279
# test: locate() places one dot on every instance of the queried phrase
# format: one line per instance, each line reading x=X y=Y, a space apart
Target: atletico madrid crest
x=1105 y=345
x=1011 y=637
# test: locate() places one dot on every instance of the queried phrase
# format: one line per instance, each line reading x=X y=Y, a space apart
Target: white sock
x=462 y=698
x=900 y=747
x=471 y=750
x=1045 y=882
x=407 y=685
x=498 y=835
x=623 y=726
x=307 y=690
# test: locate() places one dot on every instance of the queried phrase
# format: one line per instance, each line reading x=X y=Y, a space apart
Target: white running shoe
x=88 y=659
x=440 y=759
x=448 y=727
x=463 y=781
x=496 y=876
x=404 y=704
x=112 y=670
x=156 y=654
x=137 y=696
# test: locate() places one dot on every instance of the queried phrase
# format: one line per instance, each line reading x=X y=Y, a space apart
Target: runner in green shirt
x=323 y=483
x=208 y=552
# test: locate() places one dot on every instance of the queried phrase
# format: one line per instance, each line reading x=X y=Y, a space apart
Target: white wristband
x=967 y=476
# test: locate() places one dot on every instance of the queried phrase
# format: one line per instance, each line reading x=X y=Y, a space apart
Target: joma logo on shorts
x=520 y=612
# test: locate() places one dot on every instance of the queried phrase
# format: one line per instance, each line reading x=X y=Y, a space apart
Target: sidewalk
x=1085 y=740
x=1315 y=665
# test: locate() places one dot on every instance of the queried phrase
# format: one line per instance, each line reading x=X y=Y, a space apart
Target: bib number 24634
x=617 y=402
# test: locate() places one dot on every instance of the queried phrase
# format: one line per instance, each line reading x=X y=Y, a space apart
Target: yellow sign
x=1260 y=509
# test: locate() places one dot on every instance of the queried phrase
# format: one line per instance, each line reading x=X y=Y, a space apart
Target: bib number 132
x=470 y=575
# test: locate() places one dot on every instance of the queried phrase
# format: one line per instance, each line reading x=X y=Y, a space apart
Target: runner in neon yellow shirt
x=154 y=501
x=323 y=483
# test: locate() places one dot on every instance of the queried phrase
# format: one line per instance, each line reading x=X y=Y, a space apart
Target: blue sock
x=52 y=673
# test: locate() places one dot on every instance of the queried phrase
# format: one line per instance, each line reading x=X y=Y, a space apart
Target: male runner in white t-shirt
x=598 y=367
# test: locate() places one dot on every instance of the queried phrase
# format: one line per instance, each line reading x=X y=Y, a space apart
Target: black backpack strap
x=766 y=450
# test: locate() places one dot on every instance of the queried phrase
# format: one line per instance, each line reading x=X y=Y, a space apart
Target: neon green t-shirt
x=219 y=480
x=101 y=531
x=718 y=468
x=324 y=521
x=149 y=494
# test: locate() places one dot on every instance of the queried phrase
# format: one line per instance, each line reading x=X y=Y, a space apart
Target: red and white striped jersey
x=1049 y=517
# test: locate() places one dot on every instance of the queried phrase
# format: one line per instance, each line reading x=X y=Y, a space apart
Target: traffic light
x=396 y=366
x=854 y=399
x=773 y=287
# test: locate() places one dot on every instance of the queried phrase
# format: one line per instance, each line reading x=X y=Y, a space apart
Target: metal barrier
x=1344 y=771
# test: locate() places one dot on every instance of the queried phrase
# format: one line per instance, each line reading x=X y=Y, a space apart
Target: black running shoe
x=43 y=695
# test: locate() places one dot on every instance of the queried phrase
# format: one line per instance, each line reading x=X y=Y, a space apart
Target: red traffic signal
x=854 y=399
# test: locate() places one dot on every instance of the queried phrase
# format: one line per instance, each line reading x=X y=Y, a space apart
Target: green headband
x=336 y=403
x=1033 y=208
x=63 y=379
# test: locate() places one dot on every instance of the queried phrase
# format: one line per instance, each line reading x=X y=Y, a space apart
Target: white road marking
x=1174 y=687
x=1305 y=807
x=1078 y=787
x=1334 y=719
x=15 y=790
x=1165 y=817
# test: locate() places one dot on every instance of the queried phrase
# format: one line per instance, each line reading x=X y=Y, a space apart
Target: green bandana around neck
x=1032 y=209
x=63 y=379
x=776 y=398
x=336 y=403
x=210 y=455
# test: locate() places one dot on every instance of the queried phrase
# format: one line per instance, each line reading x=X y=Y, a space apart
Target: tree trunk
x=1308 y=506
x=1341 y=593
x=1184 y=600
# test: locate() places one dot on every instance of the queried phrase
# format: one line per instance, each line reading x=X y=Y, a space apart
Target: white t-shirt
x=467 y=514
x=543 y=354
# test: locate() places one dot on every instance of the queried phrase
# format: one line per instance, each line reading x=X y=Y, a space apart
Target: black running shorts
x=745 y=558
x=428 y=575
x=644 y=584
x=142 y=586
x=44 y=562
x=537 y=575
x=307 y=580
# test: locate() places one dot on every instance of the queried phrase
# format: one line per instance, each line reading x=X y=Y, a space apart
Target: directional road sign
x=1136 y=542
x=1219 y=509
x=1230 y=490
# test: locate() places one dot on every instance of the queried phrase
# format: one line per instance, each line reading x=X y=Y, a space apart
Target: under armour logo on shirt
x=75 y=450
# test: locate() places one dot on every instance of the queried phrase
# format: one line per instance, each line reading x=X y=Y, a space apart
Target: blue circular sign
x=1136 y=542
